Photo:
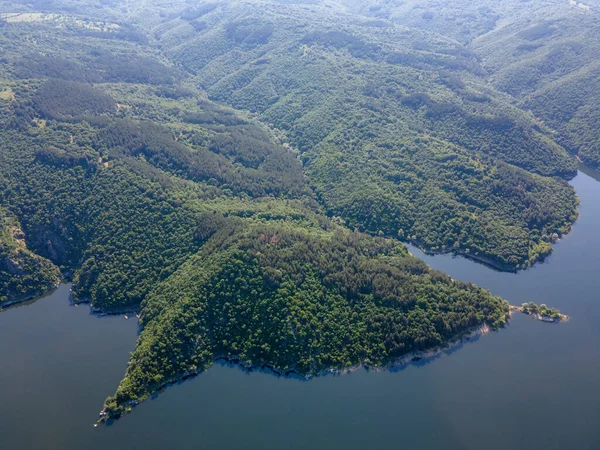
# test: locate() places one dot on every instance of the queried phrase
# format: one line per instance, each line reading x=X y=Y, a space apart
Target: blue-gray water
x=530 y=386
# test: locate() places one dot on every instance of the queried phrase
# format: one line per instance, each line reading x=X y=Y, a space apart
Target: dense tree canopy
x=265 y=228
x=398 y=129
x=23 y=274
x=297 y=302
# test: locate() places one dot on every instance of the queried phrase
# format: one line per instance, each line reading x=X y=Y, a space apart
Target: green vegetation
x=92 y=197
x=399 y=133
x=23 y=274
x=236 y=228
x=544 y=54
x=298 y=301
x=555 y=76
x=60 y=100
x=398 y=128
x=542 y=312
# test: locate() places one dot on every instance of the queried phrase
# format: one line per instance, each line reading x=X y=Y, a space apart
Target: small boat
x=126 y=317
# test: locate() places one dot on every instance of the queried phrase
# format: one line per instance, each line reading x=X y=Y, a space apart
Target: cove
x=529 y=386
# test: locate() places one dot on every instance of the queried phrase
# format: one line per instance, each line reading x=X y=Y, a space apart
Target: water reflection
x=592 y=173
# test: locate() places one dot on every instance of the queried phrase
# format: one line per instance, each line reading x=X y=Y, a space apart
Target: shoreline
x=539 y=317
x=486 y=261
x=490 y=263
x=101 y=312
x=31 y=298
x=72 y=302
x=397 y=363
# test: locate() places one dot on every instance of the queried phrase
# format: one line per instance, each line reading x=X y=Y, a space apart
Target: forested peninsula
x=242 y=173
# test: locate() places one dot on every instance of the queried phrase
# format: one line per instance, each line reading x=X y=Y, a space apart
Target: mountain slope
x=550 y=65
x=397 y=127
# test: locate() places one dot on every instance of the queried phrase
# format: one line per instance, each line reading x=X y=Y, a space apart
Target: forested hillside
x=296 y=300
x=544 y=54
x=550 y=64
x=23 y=274
x=399 y=132
x=241 y=172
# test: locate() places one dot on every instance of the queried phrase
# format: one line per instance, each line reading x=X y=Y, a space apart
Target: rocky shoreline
x=555 y=317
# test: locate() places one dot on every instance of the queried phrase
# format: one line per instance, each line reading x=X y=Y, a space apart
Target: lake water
x=530 y=386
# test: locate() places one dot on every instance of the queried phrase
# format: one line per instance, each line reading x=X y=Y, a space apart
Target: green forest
x=243 y=173
x=296 y=301
x=23 y=274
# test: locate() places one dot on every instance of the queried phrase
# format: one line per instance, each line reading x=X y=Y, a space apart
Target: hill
x=23 y=274
x=549 y=63
x=296 y=301
x=240 y=174
x=397 y=128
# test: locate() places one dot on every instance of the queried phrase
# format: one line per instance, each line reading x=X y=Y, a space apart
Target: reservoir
x=529 y=386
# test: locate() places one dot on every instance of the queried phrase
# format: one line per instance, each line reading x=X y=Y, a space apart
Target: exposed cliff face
x=51 y=245
x=23 y=274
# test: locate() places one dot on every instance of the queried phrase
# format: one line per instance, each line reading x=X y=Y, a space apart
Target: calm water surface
x=531 y=386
